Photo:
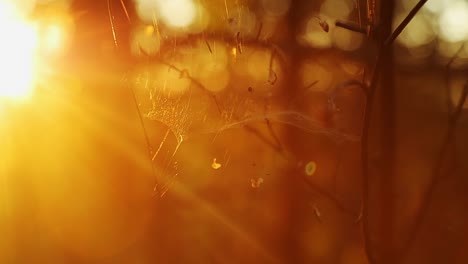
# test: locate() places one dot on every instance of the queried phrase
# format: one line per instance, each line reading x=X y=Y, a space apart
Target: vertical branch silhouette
x=384 y=37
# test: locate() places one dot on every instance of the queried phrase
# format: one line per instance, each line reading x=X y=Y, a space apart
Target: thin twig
x=326 y=194
x=184 y=73
x=365 y=162
x=298 y=96
x=239 y=42
x=310 y=85
x=125 y=10
x=146 y=136
x=371 y=10
x=226 y=9
x=365 y=141
x=358 y=7
x=161 y=144
x=351 y=26
x=437 y=172
x=209 y=47
x=384 y=45
x=273 y=135
x=448 y=92
x=271 y=72
x=111 y=21
x=448 y=89
x=405 y=22
x=348 y=83
x=263 y=138
x=259 y=31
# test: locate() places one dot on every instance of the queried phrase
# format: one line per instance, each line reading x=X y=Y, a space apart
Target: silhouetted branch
x=259 y=32
x=364 y=165
x=324 y=193
x=209 y=47
x=272 y=76
x=448 y=89
x=405 y=21
x=437 y=172
x=385 y=44
x=351 y=26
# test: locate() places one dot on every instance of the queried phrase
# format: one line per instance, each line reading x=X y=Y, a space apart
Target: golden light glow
x=25 y=43
x=54 y=36
x=17 y=53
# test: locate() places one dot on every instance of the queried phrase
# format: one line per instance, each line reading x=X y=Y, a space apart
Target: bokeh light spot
x=453 y=25
x=310 y=168
x=178 y=13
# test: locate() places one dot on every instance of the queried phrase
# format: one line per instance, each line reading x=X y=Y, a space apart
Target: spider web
x=180 y=99
x=234 y=78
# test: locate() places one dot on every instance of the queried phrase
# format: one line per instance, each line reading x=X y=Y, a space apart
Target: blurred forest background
x=234 y=131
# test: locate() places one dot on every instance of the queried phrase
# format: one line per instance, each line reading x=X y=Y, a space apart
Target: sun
x=17 y=54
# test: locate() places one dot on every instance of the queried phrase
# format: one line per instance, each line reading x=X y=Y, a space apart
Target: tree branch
x=405 y=22
x=351 y=26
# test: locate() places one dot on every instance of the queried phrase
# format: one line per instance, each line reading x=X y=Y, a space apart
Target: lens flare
x=17 y=50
